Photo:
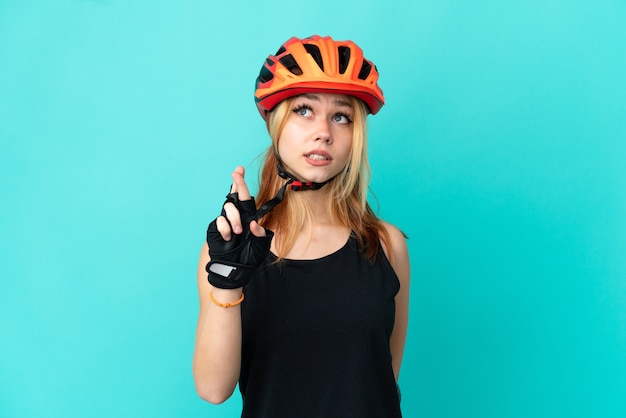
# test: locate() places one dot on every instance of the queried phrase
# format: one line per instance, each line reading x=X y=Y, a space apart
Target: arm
x=217 y=352
x=400 y=264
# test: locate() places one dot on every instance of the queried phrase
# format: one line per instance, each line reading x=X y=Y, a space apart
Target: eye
x=341 y=118
x=303 y=110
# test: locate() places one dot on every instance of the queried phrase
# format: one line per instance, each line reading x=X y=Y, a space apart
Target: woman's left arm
x=398 y=254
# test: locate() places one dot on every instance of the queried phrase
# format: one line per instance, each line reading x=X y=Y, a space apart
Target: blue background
x=500 y=152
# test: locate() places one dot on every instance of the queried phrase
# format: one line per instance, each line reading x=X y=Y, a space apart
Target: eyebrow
x=337 y=101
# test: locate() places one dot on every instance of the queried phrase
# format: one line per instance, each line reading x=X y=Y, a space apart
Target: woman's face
x=316 y=140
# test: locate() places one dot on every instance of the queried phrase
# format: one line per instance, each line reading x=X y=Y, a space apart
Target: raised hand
x=238 y=245
x=231 y=220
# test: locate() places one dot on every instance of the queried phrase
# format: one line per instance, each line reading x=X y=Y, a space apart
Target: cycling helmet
x=317 y=64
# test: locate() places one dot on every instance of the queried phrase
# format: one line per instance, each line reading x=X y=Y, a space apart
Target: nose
x=323 y=131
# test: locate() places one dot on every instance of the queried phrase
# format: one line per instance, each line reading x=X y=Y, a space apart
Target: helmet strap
x=292 y=183
x=272 y=203
x=295 y=184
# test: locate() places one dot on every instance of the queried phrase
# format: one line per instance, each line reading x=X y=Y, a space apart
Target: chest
x=338 y=295
x=318 y=242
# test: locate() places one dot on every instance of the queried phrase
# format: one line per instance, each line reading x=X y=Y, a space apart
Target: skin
x=320 y=124
x=324 y=122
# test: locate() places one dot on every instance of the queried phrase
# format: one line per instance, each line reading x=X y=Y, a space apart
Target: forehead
x=338 y=99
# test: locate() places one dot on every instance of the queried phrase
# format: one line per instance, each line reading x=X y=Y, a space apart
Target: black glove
x=234 y=262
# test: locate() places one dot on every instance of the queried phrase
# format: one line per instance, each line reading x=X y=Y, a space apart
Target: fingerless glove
x=234 y=262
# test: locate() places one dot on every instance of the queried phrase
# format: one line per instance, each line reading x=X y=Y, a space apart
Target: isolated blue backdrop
x=500 y=152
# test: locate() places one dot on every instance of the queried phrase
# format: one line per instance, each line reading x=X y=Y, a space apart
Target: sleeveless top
x=316 y=338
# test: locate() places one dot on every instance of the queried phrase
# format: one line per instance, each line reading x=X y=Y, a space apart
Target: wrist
x=227 y=294
x=226 y=298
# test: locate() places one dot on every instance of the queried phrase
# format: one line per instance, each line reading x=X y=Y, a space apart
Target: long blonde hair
x=347 y=202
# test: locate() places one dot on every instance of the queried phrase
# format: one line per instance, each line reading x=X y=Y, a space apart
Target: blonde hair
x=347 y=202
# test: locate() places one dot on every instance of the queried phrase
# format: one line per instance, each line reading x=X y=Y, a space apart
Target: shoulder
x=396 y=250
x=394 y=232
x=396 y=240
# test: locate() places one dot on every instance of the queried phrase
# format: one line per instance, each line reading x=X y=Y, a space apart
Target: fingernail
x=237 y=229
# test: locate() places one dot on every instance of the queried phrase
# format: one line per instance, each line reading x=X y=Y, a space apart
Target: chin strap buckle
x=298 y=186
x=292 y=183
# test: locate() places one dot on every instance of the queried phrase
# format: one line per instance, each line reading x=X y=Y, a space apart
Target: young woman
x=306 y=302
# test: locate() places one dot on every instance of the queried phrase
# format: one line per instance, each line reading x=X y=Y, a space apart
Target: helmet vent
x=265 y=75
x=366 y=68
x=344 y=58
x=314 y=51
x=290 y=63
x=280 y=50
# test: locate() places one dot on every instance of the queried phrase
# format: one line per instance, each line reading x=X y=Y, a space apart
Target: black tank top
x=316 y=338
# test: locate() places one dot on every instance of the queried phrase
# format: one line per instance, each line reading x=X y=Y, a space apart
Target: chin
x=318 y=177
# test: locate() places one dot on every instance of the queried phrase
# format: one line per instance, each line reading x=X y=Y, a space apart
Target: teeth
x=317 y=157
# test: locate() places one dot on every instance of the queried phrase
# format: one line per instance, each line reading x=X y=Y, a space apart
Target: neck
x=318 y=203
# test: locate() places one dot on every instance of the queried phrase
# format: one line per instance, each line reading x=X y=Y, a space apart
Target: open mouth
x=317 y=157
